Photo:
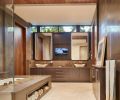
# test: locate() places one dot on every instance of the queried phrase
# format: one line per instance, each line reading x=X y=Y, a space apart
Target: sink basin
x=41 y=65
x=79 y=65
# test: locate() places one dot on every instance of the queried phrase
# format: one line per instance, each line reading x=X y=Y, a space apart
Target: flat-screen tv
x=61 y=51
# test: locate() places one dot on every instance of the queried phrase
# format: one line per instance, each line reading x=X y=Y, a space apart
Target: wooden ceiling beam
x=53 y=1
x=47 y=1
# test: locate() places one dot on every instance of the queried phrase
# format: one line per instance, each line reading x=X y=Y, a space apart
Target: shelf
x=38 y=92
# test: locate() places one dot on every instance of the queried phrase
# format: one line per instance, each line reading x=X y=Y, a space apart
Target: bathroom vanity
x=25 y=87
x=64 y=74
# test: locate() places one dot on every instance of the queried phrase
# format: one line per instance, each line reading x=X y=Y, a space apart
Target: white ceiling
x=57 y=14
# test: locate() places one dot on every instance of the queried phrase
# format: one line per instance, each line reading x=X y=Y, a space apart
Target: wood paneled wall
x=109 y=25
x=52 y=1
x=62 y=40
x=46 y=1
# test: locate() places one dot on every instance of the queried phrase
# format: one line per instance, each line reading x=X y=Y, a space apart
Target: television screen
x=61 y=51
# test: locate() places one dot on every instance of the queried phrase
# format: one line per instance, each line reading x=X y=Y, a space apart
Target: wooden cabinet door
x=99 y=84
x=84 y=74
x=34 y=71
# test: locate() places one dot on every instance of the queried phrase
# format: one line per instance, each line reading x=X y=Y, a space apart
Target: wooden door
x=20 y=50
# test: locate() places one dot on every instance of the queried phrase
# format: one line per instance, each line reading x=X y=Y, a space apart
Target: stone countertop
x=25 y=83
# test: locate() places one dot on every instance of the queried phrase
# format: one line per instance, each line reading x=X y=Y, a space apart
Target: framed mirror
x=43 y=46
x=79 y=46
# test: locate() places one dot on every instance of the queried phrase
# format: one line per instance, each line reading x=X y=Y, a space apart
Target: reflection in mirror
x=43 y=46
x=79 y=46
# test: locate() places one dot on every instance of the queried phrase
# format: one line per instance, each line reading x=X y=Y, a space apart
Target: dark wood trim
x=38 y=29
x=78 y=28
x=89 y=45
x=93 y=44
x=21 y=21
x=53 y=1
x=97 y=11
x=33 y=40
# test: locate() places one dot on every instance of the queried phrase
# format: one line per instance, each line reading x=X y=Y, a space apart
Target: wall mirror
x=79 y=46
x=43 y=46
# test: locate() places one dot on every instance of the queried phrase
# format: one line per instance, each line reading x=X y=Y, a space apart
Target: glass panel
x=33 y=29
x=6 y=40
x=67 y=29
x=49 y=29
x=85 y=28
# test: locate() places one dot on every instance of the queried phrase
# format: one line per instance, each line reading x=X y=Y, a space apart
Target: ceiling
x=57 y=14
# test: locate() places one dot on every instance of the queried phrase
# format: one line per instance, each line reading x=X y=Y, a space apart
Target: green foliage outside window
x=67 y=29
x=62 y=28
x=85 y=29
x=33 y=29
x=49 y=29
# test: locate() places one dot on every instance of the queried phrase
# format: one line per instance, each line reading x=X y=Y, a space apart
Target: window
x=10 y=29
x=67 y=29
x=33 y=29
x=62 y=28
x=49 y=29
x=85 y=28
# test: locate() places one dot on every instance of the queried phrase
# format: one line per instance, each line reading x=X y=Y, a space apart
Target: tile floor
x=70 y=91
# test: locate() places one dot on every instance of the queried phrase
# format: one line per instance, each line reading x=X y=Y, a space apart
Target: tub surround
x=26 y=88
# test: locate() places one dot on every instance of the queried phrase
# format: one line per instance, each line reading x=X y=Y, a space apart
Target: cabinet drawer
x=34 y=71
